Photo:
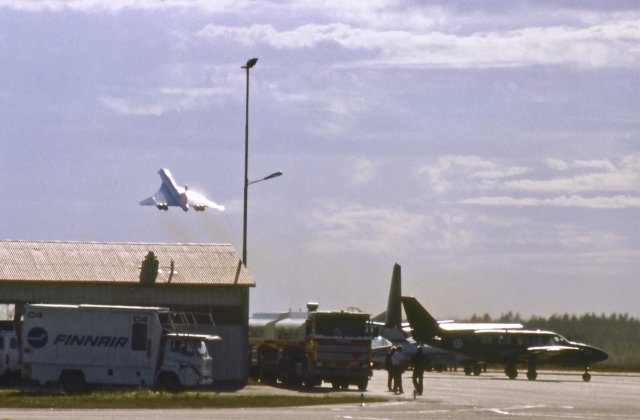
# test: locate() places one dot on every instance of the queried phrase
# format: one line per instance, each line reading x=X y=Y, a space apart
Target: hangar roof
x=201 y=264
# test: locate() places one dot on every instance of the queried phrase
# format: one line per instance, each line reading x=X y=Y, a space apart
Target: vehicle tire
x=169 y=382
x=586 y=376
x=532 y=375
x=467 y=370
x=362 y=385
x=477 y=369
x=511 y=372
x=72 y=382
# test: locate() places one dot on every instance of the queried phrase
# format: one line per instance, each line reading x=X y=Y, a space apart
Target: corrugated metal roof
x=214 y=264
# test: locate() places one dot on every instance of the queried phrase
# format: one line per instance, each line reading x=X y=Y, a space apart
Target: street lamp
x=250 y=63
x=273 y=175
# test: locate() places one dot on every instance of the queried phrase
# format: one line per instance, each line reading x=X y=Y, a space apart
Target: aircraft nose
x=596 y=354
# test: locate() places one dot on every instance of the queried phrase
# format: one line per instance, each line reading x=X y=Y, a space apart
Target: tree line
x=617 y=334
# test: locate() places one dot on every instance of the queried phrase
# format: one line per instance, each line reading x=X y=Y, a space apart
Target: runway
x=447 y=396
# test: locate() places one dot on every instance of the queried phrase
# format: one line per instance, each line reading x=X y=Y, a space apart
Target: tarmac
x=448 y=395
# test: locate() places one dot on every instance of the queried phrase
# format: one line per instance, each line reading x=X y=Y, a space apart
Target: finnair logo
x=90 y=340
x=37 y=337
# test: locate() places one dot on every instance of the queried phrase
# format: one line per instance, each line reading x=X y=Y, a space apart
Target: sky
x=492 y=149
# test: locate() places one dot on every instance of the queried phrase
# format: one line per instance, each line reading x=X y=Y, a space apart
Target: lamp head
x=250 y=63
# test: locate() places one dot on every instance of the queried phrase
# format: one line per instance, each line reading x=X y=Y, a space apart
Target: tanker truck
x=312 y=347
x=77 y=346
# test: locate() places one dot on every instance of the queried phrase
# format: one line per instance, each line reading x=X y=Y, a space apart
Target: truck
x=9 y=355
x=80 y=346
x=312 y=347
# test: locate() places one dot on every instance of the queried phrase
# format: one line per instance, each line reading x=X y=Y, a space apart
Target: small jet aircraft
x=170 y=194
x=505 y=346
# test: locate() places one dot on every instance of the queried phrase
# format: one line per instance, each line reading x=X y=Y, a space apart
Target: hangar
x=191 y=278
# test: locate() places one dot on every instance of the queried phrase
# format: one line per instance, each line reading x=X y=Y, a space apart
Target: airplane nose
x=597 y=355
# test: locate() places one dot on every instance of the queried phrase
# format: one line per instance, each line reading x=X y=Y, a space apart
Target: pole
x=247 y=66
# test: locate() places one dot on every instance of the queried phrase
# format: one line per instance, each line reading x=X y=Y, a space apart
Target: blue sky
x=491 y=149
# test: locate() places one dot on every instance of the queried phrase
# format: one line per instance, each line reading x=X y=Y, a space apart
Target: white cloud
x=598 y=183
x=385 y=231
x=363 y=172
x=118 y=5
x=125 y=107
x=467 y=173
x=557 y=164
x=601 y=202
x=609 y=44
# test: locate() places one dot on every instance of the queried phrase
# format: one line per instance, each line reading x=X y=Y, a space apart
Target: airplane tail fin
x=424 y=326
x=394 y=307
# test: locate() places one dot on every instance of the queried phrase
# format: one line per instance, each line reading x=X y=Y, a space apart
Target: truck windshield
x=341 y=324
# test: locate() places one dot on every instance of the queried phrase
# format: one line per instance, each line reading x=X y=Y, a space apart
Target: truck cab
x=185 y=361
x=9 y=354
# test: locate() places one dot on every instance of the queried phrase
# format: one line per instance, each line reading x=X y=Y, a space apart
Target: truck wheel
x=169 y=382
x=72 y=382
x=362 y=385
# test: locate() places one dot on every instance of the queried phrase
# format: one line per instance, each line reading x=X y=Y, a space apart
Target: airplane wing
x=162 y=197
x=463 y=326
x=199 y=201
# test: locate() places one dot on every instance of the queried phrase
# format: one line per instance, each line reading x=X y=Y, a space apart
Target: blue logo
x=37 y=337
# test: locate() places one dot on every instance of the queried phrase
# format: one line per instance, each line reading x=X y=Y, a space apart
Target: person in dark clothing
x=397 y=367
x=389 y=367
x=419 y=361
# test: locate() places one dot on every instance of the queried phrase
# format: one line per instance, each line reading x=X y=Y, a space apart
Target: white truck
x=9 y=355
x=81 y=345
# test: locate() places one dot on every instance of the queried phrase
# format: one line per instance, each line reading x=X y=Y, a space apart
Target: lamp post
x=247 y=66
x=250 y=63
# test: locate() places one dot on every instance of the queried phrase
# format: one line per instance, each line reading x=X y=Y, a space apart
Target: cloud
x=363 y=172
x=165 y=100
x=595 y=183
x=126 y=107
x=93 y=6
x=385 y=231
x=604 y=176
x=609 y=44
x=466 y=173
x=615 y=202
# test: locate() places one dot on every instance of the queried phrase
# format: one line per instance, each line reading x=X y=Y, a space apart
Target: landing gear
x=586 y=376
x=511 y=371
x=532 y=374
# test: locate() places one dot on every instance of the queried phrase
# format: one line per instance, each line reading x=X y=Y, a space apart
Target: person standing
x=389 y=367
x=397 y=367
x=419 y=361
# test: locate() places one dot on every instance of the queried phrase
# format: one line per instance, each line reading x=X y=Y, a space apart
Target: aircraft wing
x=163 y=196
x=197 y=200
x=475 y=326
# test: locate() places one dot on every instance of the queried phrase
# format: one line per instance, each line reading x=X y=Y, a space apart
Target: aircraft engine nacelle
x=162 y=206
x=199 y=207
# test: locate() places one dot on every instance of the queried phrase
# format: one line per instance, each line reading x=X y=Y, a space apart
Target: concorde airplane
x=508 y=347
x=170 y=194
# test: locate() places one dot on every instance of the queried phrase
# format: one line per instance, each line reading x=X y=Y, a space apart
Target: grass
x=143 y=398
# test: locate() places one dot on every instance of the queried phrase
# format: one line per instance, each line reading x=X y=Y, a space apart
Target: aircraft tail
x=424 y=326
x=394 y=307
